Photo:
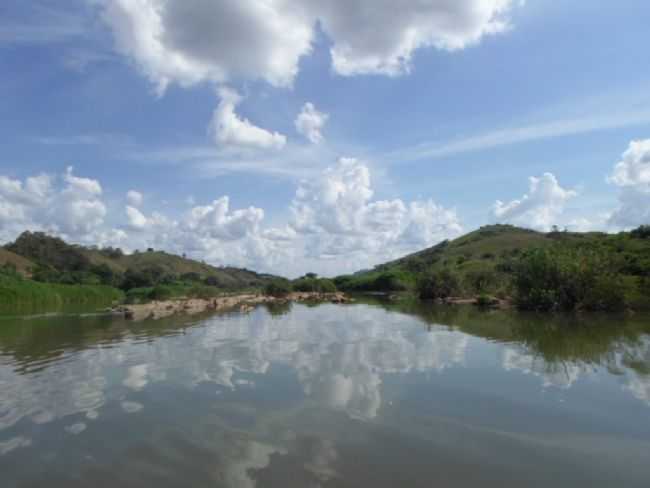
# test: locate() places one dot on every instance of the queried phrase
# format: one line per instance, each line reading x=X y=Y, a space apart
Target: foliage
x=568 y=279
x=481 y=281
x=387 y=281
x=278 y=288
x=311 y=284
x=642 y=232
x=16 y=291
x=50 y=251
x=200 y=291
x=441 y=284
x=484 y=301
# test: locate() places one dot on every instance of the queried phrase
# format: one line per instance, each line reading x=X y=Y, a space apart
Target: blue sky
x=426 y=120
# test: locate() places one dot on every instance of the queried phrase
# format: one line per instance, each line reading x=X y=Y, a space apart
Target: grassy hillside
x=485 y=261
x=53 y=260
x=22 y=265
x=176 y=265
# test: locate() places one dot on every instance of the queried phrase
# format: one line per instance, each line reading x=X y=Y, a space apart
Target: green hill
x=53 y=260
x=484 y=261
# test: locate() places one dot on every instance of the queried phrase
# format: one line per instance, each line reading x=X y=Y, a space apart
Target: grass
x=16 y=292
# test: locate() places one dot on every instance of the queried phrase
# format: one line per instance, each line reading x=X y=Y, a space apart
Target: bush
x=568 y=279
x=278 y=288
x=161 y=292
x=386 y=281
x=213 y=281
x=441 y=284
x=481 y=281
x=204 y=292
x=314 y=285
x=642 y=232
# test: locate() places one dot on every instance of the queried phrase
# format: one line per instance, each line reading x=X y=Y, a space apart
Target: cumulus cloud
x=331 y=216
x=337 y=217
x=217 y=221
x=136 y=219
x=632 y=176
x=310 y=123
x=539 y=208
x=134 y=198
x=70 y=206
x=231 y=130
x=381 y=36
x=191 y=41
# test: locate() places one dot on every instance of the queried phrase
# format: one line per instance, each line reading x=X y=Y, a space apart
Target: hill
x=12 y=260
x=485 y=261
x=53 y=260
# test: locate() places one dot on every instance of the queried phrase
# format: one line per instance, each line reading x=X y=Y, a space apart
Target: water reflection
x=290 y=395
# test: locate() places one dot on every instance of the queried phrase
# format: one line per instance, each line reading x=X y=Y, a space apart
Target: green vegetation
x=17 y=292
x=439 y=284
x=50 y=262
x=560 y=278
x=313 y=284
x=278 y=288
x=541 y=271
x=380 y=281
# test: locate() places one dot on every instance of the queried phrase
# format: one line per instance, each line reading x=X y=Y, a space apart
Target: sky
x=328 y=136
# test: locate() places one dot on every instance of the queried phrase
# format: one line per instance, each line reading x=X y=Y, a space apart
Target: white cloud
x=310 y=123
x=136 y=219
x=381 y=36
x=73 y=209
x=134 y=198
x=632 y=176
x=337 y=218
x=217 y=221
x=539 y=208
x=191 y=41
x=331 y=216
x=231 y=130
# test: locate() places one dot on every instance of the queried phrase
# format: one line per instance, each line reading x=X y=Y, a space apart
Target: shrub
x=441 y=284
x=161 y=292
x=204 y=292
x=642 y=232
x=568 y=279
x=278 y=288
x=213 y=281
x=481 y=281
x=314 y=285
x=484 y=301
x=389 y=281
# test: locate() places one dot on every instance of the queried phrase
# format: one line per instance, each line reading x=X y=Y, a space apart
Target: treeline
x=310 y=283
x=562 y=272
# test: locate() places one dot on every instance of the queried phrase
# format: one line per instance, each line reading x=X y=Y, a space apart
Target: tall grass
x=17 y=293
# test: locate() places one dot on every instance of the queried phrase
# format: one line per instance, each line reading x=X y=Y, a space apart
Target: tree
x=439 y=285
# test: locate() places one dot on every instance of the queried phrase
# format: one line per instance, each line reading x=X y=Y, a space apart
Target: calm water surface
x=364 y=395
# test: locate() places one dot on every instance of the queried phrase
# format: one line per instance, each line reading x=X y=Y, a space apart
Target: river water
x=362 y=395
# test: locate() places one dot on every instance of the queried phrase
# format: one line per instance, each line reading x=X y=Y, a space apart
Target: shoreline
x=192 y=306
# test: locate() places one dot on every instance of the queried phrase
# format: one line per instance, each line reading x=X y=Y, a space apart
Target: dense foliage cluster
x=568 y=279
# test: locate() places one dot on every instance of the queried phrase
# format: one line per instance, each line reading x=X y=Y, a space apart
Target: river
x=365 y=395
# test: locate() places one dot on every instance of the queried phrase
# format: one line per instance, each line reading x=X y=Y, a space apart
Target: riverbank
x=244 y=302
